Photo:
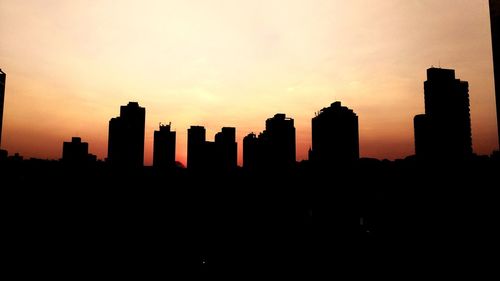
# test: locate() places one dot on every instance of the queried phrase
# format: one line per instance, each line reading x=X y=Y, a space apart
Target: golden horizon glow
x=71 y=64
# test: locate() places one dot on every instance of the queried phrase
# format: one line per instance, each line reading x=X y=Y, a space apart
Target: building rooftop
x=165 y=127
x=335 y=107
x=436 y=73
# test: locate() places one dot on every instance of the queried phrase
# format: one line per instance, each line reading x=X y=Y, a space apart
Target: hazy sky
x=71 y=64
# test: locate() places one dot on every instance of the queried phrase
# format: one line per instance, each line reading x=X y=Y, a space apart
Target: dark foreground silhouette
x=373 y=218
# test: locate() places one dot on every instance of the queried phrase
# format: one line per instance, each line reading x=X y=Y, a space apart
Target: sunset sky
x=215 y=63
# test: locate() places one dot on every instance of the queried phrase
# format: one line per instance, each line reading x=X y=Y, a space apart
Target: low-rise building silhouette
x=444 y=131
x=3 y=155
x=164 y=147
x=16 y=158
x=422 y=135
x=126 y=137
x=274 y=148
x=335 y=136
x=75 y=152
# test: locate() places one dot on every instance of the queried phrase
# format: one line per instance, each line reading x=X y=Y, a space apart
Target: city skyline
x=240 y=139
x=382 y=83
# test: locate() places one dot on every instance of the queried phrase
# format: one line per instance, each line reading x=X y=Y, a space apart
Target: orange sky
x=71 y=64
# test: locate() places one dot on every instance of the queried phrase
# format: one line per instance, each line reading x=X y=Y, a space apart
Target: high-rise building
x=335 y=136
x=164 y=147
x=280 y=134
x=219 y=155
x=195 y=150
x=274 y=148
x=495 y=39
x=126 y=137
x=444 y=131
x=75 y=152
x=3 y=78
x=250 y=152
x=226 y=149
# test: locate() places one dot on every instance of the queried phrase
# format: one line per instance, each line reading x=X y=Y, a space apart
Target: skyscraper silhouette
x=164 y=147
x=196 y=143
x=3 y=78
x=219 y=155
x=495 y=39
x=75 y=152
x=250 y=152
x=226 y=149
x=126 y=137
x=444 y=131
x=335 y=136
x=274 y=148
x=280 y=134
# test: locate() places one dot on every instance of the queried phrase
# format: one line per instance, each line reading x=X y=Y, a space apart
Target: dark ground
x=392 y=219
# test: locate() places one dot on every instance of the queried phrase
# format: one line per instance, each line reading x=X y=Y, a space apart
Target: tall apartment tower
x=280 y=134
x=126 y=137
x=164 y=147
x=250 y=152
x=444 y=131
x=274 y=148
x=335 y=136
x=226 y=149
x=196 y=147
